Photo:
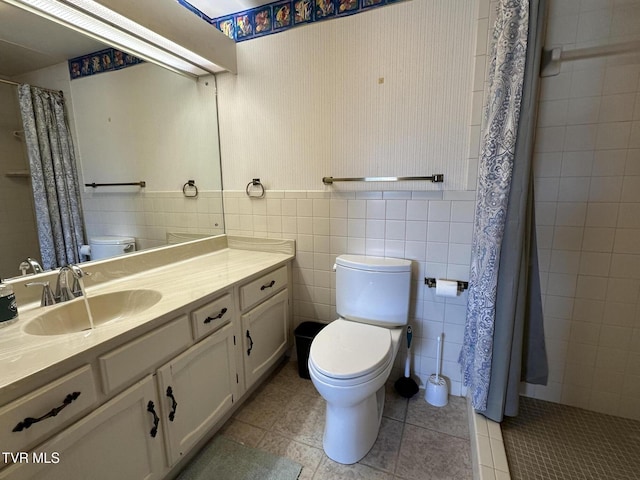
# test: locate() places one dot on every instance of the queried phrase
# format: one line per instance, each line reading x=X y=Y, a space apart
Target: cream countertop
x=181 y=283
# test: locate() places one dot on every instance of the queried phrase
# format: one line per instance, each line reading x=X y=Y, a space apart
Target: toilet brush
x=406 y=386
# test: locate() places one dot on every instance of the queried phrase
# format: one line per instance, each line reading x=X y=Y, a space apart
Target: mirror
x=140 y=123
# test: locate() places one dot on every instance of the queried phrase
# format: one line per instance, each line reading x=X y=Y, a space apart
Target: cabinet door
x=264 y=334
x=197 y=389
x=118 y=440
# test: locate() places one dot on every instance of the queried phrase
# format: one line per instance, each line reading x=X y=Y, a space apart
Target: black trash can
x=305 y=333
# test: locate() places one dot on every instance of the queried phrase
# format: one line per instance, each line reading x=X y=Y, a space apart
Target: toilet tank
x=373 y=290
x=108 y=246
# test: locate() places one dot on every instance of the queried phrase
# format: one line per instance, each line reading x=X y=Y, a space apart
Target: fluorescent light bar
x=138 y=30
x=141 y=42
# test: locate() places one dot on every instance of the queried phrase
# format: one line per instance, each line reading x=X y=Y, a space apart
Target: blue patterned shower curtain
x=54 y=176
x=504 y=336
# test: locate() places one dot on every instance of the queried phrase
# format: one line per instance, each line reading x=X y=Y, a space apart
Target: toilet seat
x=348 y=353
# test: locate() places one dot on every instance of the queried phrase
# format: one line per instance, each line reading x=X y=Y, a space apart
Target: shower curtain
x=504 y=336
x=54 y=177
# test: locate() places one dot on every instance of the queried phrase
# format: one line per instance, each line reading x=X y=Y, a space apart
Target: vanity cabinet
x=265 y=335
x=197 y=388
x=147 y=402
x=120 y=439
x=47 y=410
x=211 y=316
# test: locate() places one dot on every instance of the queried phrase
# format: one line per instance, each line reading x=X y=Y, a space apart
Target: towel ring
x=189 y=189
x=255 y=183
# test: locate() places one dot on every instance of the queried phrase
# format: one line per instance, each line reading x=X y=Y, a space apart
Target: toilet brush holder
x=436 y=391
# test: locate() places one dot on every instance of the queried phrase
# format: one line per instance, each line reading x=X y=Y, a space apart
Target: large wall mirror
x=141 y=123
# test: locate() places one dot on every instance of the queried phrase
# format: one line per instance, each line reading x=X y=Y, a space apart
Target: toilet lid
x=110 y=240
x=345 y=349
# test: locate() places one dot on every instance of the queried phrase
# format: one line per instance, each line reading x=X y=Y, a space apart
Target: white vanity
x=140 y=392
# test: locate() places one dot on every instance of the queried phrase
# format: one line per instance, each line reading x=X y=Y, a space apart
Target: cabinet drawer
x=72 y=396
x=263 y=287
x=112 y=442
x=212 y=316
x=132 y=360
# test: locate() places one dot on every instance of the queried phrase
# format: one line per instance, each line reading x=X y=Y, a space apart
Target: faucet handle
x=47 y=295
x=76 y=289
x=63 y=292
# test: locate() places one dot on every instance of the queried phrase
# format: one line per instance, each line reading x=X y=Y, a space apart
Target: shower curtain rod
x=9 y=82
x=551 y=59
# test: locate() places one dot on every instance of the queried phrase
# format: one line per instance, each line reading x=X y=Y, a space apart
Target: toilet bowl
x=351 y=358
x=352 y=381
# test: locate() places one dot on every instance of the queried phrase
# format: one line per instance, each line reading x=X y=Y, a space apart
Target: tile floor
x=285 y=416
x=549 y=441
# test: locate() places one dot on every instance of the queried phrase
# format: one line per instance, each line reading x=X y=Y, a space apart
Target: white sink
x=71 y=316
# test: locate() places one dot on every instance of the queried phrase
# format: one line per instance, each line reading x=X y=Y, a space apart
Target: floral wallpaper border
x=106 y=60
x=280 y=16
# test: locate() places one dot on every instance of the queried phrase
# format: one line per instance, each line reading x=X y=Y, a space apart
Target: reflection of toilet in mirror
x=352 y=357
x=107 y=246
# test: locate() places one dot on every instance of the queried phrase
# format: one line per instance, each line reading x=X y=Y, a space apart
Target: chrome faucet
x=32 y=264
x=47 y=295
x=63 y=291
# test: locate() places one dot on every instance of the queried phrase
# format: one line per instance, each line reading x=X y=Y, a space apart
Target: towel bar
x=437 y=178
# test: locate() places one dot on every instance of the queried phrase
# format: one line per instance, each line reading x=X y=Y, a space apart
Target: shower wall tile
x=434 y=232
x=587 y=179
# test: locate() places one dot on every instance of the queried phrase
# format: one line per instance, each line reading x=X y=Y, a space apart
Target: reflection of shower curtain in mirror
x=53 y=176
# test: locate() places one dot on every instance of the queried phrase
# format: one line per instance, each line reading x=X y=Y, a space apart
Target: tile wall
x=587 y=177
x=431 y=228
x=149 y=216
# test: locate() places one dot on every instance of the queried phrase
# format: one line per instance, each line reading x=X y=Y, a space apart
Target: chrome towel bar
x=140 y=184
x=437 y=178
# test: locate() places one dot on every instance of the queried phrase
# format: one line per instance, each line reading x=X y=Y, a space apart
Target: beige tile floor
x=285 y=416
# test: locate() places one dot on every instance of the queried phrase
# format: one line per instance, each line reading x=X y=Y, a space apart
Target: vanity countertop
x=181 y=283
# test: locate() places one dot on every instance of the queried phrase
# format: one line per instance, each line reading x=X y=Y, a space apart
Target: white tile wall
x=435 y=234
x=149 y=216
x=587 y=179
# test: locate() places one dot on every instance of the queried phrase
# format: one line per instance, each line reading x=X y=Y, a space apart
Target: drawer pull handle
x=210 y=319
x=250 y=343
x=268 y=285
x=28 y=421
x=156 y=420
x=174 y=404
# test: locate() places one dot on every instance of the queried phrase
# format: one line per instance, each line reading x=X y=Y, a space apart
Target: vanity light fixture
x=103 y=24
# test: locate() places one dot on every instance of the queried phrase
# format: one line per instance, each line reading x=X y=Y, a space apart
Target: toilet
x=351 y=358
x=108 y=246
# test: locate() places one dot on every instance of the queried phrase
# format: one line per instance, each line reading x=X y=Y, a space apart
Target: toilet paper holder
x=431 y=283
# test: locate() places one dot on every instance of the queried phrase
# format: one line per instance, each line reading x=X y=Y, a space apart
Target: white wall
x=147 y=123
x=587 y=176
x=307 y=104
x=143 y=123
x=382 y=93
